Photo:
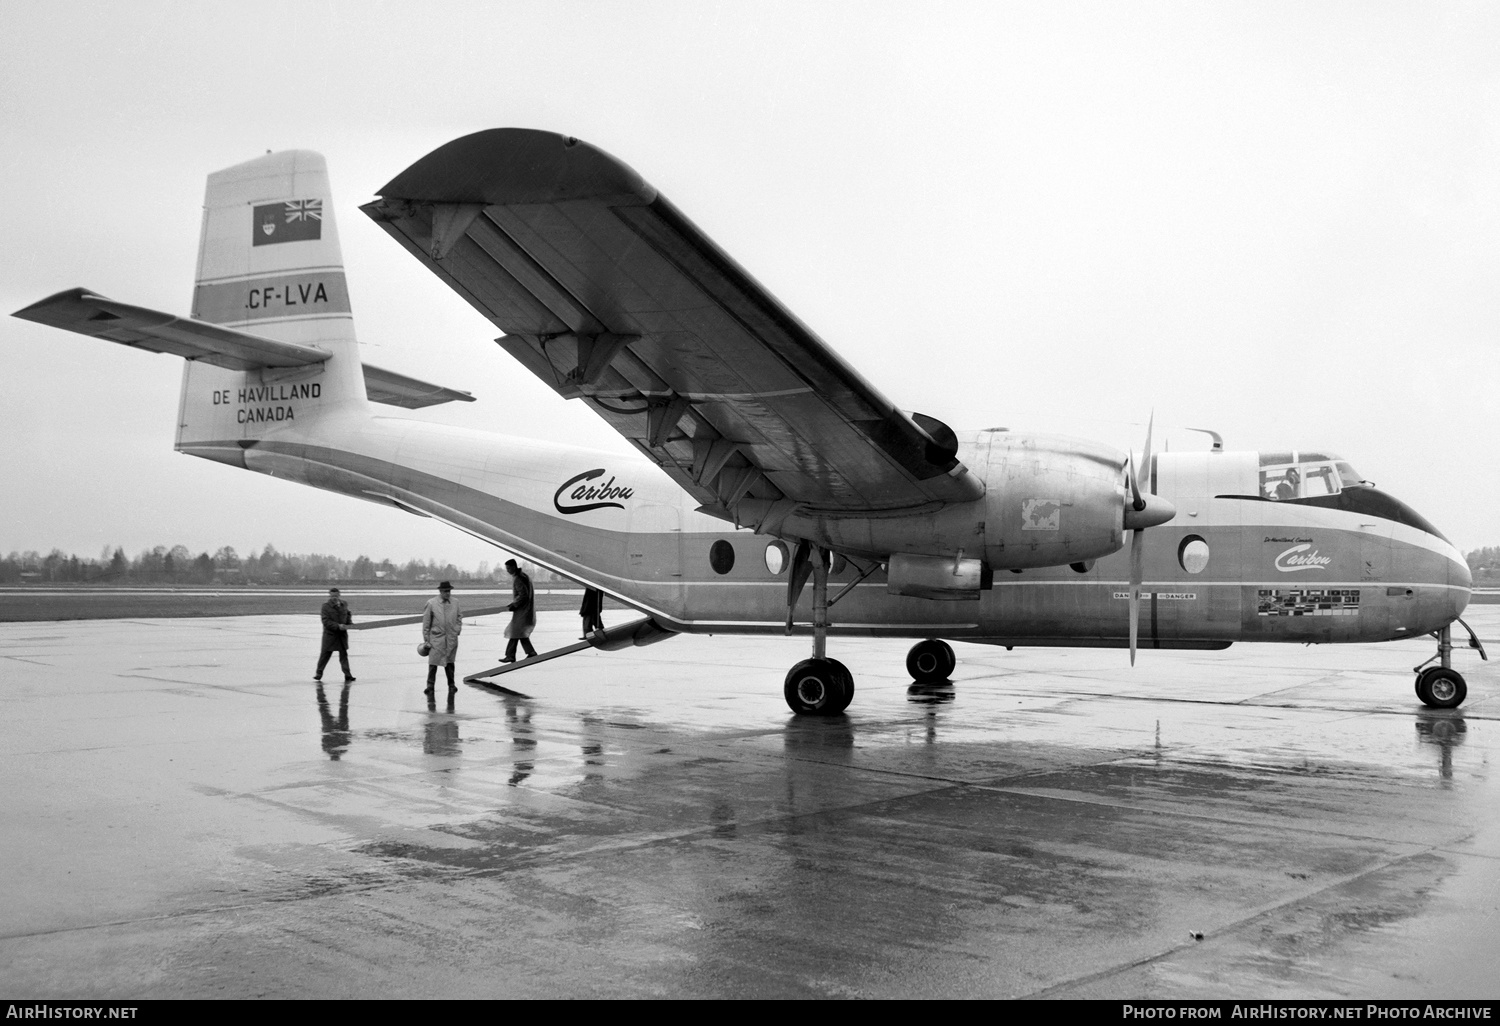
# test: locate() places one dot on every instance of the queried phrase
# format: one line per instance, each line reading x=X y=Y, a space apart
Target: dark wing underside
x=609 y=294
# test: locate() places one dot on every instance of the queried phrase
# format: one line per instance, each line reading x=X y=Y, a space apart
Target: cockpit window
x=1304 y=475
x=1324 y=480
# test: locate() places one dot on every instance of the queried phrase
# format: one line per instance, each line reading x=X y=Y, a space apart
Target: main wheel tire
x=930 y=661
x=818 y=687
x=1441 y=688
x=848 y=679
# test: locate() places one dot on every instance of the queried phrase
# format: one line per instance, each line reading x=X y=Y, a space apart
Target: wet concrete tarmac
x=187 y=814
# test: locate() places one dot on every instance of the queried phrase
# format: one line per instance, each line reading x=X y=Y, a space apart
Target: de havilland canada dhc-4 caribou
x=775 y=490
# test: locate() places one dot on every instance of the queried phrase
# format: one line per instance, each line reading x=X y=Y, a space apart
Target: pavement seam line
x=1226 y=928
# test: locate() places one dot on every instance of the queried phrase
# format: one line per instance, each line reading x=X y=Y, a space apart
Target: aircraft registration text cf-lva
x=775 y=489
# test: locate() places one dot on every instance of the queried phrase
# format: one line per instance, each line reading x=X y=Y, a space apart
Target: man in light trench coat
x=442 y=622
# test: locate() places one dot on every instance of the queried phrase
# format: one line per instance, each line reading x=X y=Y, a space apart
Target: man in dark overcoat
x=336 y=620
x=522 y=613
x=591 y=610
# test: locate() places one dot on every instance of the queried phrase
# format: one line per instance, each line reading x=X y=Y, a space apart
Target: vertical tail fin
x=269 y=263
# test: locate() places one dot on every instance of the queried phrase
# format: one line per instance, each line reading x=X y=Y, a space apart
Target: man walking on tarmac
x=442 y=622
x=336 y=618
x=522 y=613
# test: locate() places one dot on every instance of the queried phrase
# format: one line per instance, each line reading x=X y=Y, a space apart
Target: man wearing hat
x=336 y=618
x=522 y=613
x=442 y=622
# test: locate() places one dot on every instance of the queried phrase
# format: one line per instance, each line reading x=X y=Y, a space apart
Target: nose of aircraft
x=1447 y=574
x=1460 y=580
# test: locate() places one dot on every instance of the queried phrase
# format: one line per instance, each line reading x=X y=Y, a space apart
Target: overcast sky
x=1278 y=221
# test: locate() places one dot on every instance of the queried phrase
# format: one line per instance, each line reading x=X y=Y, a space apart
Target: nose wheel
x=1441 y=686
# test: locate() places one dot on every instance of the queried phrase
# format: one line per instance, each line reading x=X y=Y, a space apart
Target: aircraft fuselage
x=1259 y=570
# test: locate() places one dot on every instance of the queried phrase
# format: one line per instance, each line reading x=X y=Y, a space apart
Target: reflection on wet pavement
x=440 y=732
x=1047 y=823
x=335 y=729
x=1443 y=729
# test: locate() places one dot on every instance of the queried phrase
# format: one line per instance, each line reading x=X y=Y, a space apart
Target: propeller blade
x=1136 y=538
x=1160 y=512
x=1146 y=456
x=1139 y=500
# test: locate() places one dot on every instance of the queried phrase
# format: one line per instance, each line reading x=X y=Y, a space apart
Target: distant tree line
x=1484 y=564
x=178 y=565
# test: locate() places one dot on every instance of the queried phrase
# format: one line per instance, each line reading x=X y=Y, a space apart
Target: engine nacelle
x=1049 y=501
x=935 y=577
x=1052 y=501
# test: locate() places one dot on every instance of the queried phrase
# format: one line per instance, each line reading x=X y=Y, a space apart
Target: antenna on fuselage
x=1218 y=439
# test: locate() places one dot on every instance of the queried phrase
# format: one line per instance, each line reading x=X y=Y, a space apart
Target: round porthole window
x=721 y=556
x=776 y=557
x=1192 y=554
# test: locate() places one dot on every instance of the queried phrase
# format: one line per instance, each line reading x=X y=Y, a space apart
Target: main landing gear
x=1441 y=686
x=930 y=662
x=818 y=686
x=821 y=686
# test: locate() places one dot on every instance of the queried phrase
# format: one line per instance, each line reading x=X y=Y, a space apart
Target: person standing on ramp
x=522 y=613
x=442 y=622
x=336 y=618
x=592 y=612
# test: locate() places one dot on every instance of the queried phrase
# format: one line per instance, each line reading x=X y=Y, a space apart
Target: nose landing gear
x=1441 y=686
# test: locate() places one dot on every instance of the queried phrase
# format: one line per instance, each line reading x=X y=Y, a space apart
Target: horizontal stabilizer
x=89 y=314
x=394 y=389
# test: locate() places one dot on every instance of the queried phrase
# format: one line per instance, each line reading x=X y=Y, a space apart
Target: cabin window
x=721 y=556
x=776 y=557
x=1192 y=554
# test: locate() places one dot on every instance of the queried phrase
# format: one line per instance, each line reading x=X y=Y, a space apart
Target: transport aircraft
x=764 y=462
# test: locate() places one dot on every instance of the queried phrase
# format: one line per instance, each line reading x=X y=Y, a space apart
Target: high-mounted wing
x=608 y=293
x=90 y=314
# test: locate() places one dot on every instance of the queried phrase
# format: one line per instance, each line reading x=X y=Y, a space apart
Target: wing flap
x=90 y=314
